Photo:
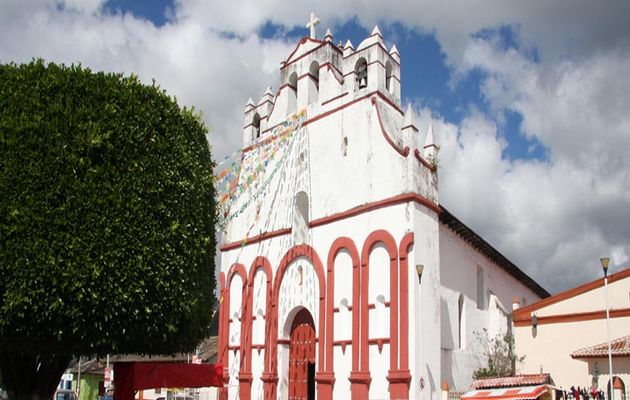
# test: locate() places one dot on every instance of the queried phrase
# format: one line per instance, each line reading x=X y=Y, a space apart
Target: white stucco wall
x=483 y=320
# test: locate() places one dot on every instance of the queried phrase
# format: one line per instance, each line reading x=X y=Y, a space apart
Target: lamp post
x=604 y=261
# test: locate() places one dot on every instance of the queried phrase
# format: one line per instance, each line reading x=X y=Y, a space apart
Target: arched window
x=461 y=334
x=314 y=73
x=292 y=93
x=293 y=81
x=300 y=218
x=361 y=73
x=388 y=76
x=256 y=125
x=481 y=304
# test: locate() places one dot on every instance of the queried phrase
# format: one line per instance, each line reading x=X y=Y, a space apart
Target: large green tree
x=106 y=222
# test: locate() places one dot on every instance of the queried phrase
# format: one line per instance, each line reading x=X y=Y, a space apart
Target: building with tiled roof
x=619 y=348
x=566 y=335
x=511 y=381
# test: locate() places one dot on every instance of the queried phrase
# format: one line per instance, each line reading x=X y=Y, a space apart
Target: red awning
x=511 y=393
x=129 y=377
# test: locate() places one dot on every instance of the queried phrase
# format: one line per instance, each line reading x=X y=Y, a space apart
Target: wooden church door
x=302 y=357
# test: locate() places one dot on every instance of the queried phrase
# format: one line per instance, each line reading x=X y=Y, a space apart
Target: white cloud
x=565 y=77
x=202 y=68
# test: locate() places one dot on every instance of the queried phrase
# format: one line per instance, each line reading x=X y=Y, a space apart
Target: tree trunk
x=31 y=376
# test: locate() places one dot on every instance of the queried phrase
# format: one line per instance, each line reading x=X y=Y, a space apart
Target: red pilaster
x=360 y=385
x=325 y=381
x=401 y=378
x=270 y=382
x=399 y=384
x=245 y=385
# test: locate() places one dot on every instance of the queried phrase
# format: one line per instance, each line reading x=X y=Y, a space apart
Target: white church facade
x=342 y=276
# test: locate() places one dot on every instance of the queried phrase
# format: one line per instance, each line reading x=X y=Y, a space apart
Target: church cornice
x=328 y=113
x=358 y=210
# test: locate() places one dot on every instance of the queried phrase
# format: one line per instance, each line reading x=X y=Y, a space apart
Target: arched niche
x=300 y=218
x=388 y=76
x=313 y=92
x=361 y=73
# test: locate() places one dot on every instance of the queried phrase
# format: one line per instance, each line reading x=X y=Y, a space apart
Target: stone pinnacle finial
x=410 y=118
x=328 y=36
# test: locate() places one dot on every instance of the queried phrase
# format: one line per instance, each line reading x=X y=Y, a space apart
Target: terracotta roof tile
x=509 y=381
x=618 y=347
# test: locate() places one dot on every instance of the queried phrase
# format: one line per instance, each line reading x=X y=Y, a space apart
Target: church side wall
x=475 y=303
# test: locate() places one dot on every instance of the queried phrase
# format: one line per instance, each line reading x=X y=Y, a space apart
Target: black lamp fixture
x=604 y=261
x=419 y=270
x=534 y=321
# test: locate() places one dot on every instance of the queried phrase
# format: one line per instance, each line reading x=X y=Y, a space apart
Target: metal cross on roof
x=314 y=21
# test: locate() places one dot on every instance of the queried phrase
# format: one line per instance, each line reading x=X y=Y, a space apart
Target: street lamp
x=604 y=261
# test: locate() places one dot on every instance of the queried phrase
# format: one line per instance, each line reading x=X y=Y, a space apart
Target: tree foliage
x=500 y=357
x=106 y=216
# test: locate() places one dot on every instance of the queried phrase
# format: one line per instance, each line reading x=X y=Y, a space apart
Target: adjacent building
x=565 y=335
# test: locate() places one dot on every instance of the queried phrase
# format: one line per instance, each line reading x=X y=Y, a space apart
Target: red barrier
x=129 y=377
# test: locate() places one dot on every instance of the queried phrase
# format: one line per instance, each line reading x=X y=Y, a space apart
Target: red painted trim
x=360 y=384
x=410 y=126
x=285 y=342
x=301 y=42
x=263 y=264
x=255 y=239
x=424 y=162
x=334 y=98
x=402 y=151
x=525 y=312
x=373 y=341
x=224 y=337
x=372 y=306
x=406 y=244
x=399 y=199
x=236 y=269
x=574 y=317
x=336 y=309
x=222 y=314
x=308 y=74
x=384 y=66
x=334 y=70
x=285 y=86
x=342 y=244
x=337 y=109
x=304 y=40
x=379 y=236
x=302 y=250
x=239 y=269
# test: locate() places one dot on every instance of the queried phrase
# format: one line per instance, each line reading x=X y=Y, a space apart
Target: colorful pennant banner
x=243 y=176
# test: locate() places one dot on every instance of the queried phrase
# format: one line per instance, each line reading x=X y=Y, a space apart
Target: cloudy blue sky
x=530 y=100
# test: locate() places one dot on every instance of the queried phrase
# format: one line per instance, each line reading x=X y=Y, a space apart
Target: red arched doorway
x=302 y=357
